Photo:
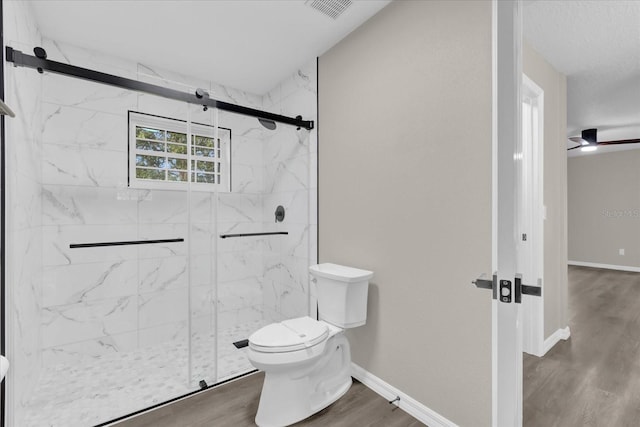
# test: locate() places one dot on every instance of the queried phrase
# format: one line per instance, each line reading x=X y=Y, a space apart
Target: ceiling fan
x=588 y=141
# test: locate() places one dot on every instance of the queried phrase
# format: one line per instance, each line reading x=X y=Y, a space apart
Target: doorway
x=531 y=214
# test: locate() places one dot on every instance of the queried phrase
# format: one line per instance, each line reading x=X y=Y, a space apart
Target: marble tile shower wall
x=101 y=300
x=290 y=156
x=24 y=224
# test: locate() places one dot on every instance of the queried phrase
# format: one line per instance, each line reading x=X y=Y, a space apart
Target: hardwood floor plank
x=235 y=405
x=593 y=379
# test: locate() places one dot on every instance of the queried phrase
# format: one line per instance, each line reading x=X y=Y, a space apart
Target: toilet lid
x=289 y=335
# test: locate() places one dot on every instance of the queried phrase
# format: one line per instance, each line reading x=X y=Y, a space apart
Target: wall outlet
x=621 y=251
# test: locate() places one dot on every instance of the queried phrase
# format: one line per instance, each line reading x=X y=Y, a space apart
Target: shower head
x=269 y=124
x=5 y=110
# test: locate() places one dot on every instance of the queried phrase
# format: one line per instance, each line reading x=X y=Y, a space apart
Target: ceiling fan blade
x=576 y=139
x=573 y=148
x=620 y=141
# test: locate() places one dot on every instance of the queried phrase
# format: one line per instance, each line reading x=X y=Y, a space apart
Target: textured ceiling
x=250 y=45
x=597 y=45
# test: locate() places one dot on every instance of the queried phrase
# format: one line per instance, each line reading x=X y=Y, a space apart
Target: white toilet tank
x=342 y=294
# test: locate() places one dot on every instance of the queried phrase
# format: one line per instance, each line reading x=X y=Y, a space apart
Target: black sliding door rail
x=224 y=236
x=40 y=64
x=125 y=243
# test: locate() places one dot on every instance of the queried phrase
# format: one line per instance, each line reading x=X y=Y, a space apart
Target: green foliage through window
x=162 y=154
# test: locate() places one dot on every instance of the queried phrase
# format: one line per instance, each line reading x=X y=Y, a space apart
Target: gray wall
x=604 y=208
x=405 y=191
x=555 y=278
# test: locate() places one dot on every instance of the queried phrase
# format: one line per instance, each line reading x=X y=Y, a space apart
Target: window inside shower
x=123 y=295
x=167 y=153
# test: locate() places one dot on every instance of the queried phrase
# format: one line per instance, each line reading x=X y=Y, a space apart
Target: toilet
x=307 y=362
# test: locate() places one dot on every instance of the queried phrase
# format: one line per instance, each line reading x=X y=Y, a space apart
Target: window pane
x=177 y=176
x=150 y=161
x=205 y=177
x=150 y=146
x=180 y=138
x=203 y=141
x=149 y=174
x=204 y=152
x=178 y=149
x=174 y=163
x=204 y=166
x=149 y=133
x=162 y=153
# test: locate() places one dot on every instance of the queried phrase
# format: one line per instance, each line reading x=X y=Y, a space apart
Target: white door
x=509 y=201
x=507 y=188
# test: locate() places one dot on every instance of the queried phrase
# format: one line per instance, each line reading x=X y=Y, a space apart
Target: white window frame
x=136 y=119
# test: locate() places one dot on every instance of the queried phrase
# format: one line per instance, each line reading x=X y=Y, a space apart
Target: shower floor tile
x=106 y=387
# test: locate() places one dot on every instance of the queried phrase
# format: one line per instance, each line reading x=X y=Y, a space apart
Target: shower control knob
x=279 y=213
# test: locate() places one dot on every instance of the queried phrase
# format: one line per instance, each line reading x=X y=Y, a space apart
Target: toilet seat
x=289 y=335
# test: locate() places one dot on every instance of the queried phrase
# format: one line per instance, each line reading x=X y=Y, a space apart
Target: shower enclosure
x=142 y=240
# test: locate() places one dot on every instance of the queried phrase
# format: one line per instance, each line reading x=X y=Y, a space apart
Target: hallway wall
x=604 y=207
x=555 y=279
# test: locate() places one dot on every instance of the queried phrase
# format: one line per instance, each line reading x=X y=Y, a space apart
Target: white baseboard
x=607 y=266
x=407 y=403
x=560 y=334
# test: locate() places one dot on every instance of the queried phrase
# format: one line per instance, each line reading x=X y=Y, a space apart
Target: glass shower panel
x=261 y=276
x=160 y=183
x=240 y=258
x=111 y=308
x=23 y=233
x=206 y=159
x=286 y=157
x=122 y=291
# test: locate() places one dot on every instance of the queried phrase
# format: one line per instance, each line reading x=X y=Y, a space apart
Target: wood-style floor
x=235 y=405
x=592 y=379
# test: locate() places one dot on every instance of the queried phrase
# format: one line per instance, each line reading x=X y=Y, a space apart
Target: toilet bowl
x=304 y=373
x=307 y=362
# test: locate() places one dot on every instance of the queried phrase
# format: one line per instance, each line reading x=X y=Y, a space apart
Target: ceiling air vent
x=332 y=8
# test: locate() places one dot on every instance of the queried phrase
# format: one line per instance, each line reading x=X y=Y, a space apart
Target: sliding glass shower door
x=206 y=157
x=144 y=242
x=263 y=229
x=114 y=294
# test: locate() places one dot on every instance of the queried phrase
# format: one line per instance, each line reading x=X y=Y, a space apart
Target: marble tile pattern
x=23 y=156
x=114 y=384
x=290 y=156
x=96 y=308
